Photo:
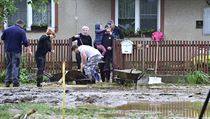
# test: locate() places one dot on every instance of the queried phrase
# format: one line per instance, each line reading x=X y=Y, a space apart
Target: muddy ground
x=106 y=96
x=110 y=97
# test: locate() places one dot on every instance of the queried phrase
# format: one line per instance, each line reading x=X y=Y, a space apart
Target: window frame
x=137 y=14
x=29 y=18
x=206 y=22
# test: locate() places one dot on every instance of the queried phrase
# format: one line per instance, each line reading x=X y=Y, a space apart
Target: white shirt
x=89 y=51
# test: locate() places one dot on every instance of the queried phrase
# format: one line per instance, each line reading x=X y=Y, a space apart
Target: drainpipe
x=76 y=17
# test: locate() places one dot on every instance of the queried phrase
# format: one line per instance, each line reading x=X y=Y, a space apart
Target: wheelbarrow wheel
x=120 y=81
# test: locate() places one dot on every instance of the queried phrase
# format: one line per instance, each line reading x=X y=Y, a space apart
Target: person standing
x=13 y=38
x=44 y=46
x=90 y=59
x=82 y=39
x=107 y=42
x=116 y=32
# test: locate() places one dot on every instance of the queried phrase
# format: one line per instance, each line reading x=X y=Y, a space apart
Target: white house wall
x=180 y=19
x=88 y=12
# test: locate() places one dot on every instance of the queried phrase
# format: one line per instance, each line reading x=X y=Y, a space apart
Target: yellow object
x=64 y=91
x=201 y=59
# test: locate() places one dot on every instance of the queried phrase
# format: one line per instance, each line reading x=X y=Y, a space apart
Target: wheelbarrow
x=128 y=75
x=72 y=75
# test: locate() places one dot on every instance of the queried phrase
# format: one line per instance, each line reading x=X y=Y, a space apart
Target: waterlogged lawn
x=129 y=111
x=44 y=111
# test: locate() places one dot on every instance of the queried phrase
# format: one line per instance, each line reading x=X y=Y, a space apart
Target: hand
x=52 y=51
x=28 y=50
x=30 y=53
x=81 y=67
x=77 y=36
x=109 y=48
x=51 y=36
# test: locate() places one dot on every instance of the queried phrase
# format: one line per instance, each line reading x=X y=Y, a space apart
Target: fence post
x=70 y=54
x=117 y=55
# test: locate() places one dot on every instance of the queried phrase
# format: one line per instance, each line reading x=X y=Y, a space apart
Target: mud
x=103 y=97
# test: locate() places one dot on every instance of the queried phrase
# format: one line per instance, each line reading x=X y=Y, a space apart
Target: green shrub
x=2 y=76
x=197 y=77
x=23 y=72
x=24 y=75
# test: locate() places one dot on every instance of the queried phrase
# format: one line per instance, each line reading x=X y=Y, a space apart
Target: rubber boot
x=39 y=81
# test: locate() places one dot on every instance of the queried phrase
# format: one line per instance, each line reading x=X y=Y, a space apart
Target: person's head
x=50 y=31
x=85 y=30
x=20 y=23
x=98 y=26
x=74 y=48
x=111 y=23
x=108 y=28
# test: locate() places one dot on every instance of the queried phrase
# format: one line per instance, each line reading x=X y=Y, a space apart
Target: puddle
x=157 y=102
x=167 y=109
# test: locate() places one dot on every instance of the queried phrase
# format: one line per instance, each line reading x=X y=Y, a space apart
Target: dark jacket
x=13 y=38
x=117 y=33
x=99 y=34
x=107 y=41
x=86 y=40
x=44 y=46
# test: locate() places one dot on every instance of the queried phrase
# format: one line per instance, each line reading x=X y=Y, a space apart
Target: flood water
x=153 y=102
x=172 y=110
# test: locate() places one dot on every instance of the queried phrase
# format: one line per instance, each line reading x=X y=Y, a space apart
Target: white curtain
x=42 y=17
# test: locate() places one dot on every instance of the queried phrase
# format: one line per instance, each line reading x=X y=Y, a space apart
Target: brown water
x=168 y=109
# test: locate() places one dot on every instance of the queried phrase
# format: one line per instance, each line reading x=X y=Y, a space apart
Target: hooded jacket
x=98 y=34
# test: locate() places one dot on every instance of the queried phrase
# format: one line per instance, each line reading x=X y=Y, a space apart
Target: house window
x=138 y=14
x=20 y=13
x=148 y=14
x=42 y=17
x=45 y=17
x=126 y=18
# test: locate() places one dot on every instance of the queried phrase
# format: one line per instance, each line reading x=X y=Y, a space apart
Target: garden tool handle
x=205 y=104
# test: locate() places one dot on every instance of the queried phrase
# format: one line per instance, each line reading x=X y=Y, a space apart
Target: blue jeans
x=12 y=67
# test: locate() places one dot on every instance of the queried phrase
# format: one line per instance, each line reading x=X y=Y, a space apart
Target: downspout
x=76 y=17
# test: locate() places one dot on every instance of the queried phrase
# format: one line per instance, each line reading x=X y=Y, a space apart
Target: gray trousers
x=12 y=67
x=90 y=66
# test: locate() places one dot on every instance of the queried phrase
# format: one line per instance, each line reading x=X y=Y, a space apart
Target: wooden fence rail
x=174 y=57
x=62 y=50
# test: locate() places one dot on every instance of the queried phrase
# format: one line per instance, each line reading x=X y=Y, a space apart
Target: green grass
x=24 y=108
x=46 y=110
